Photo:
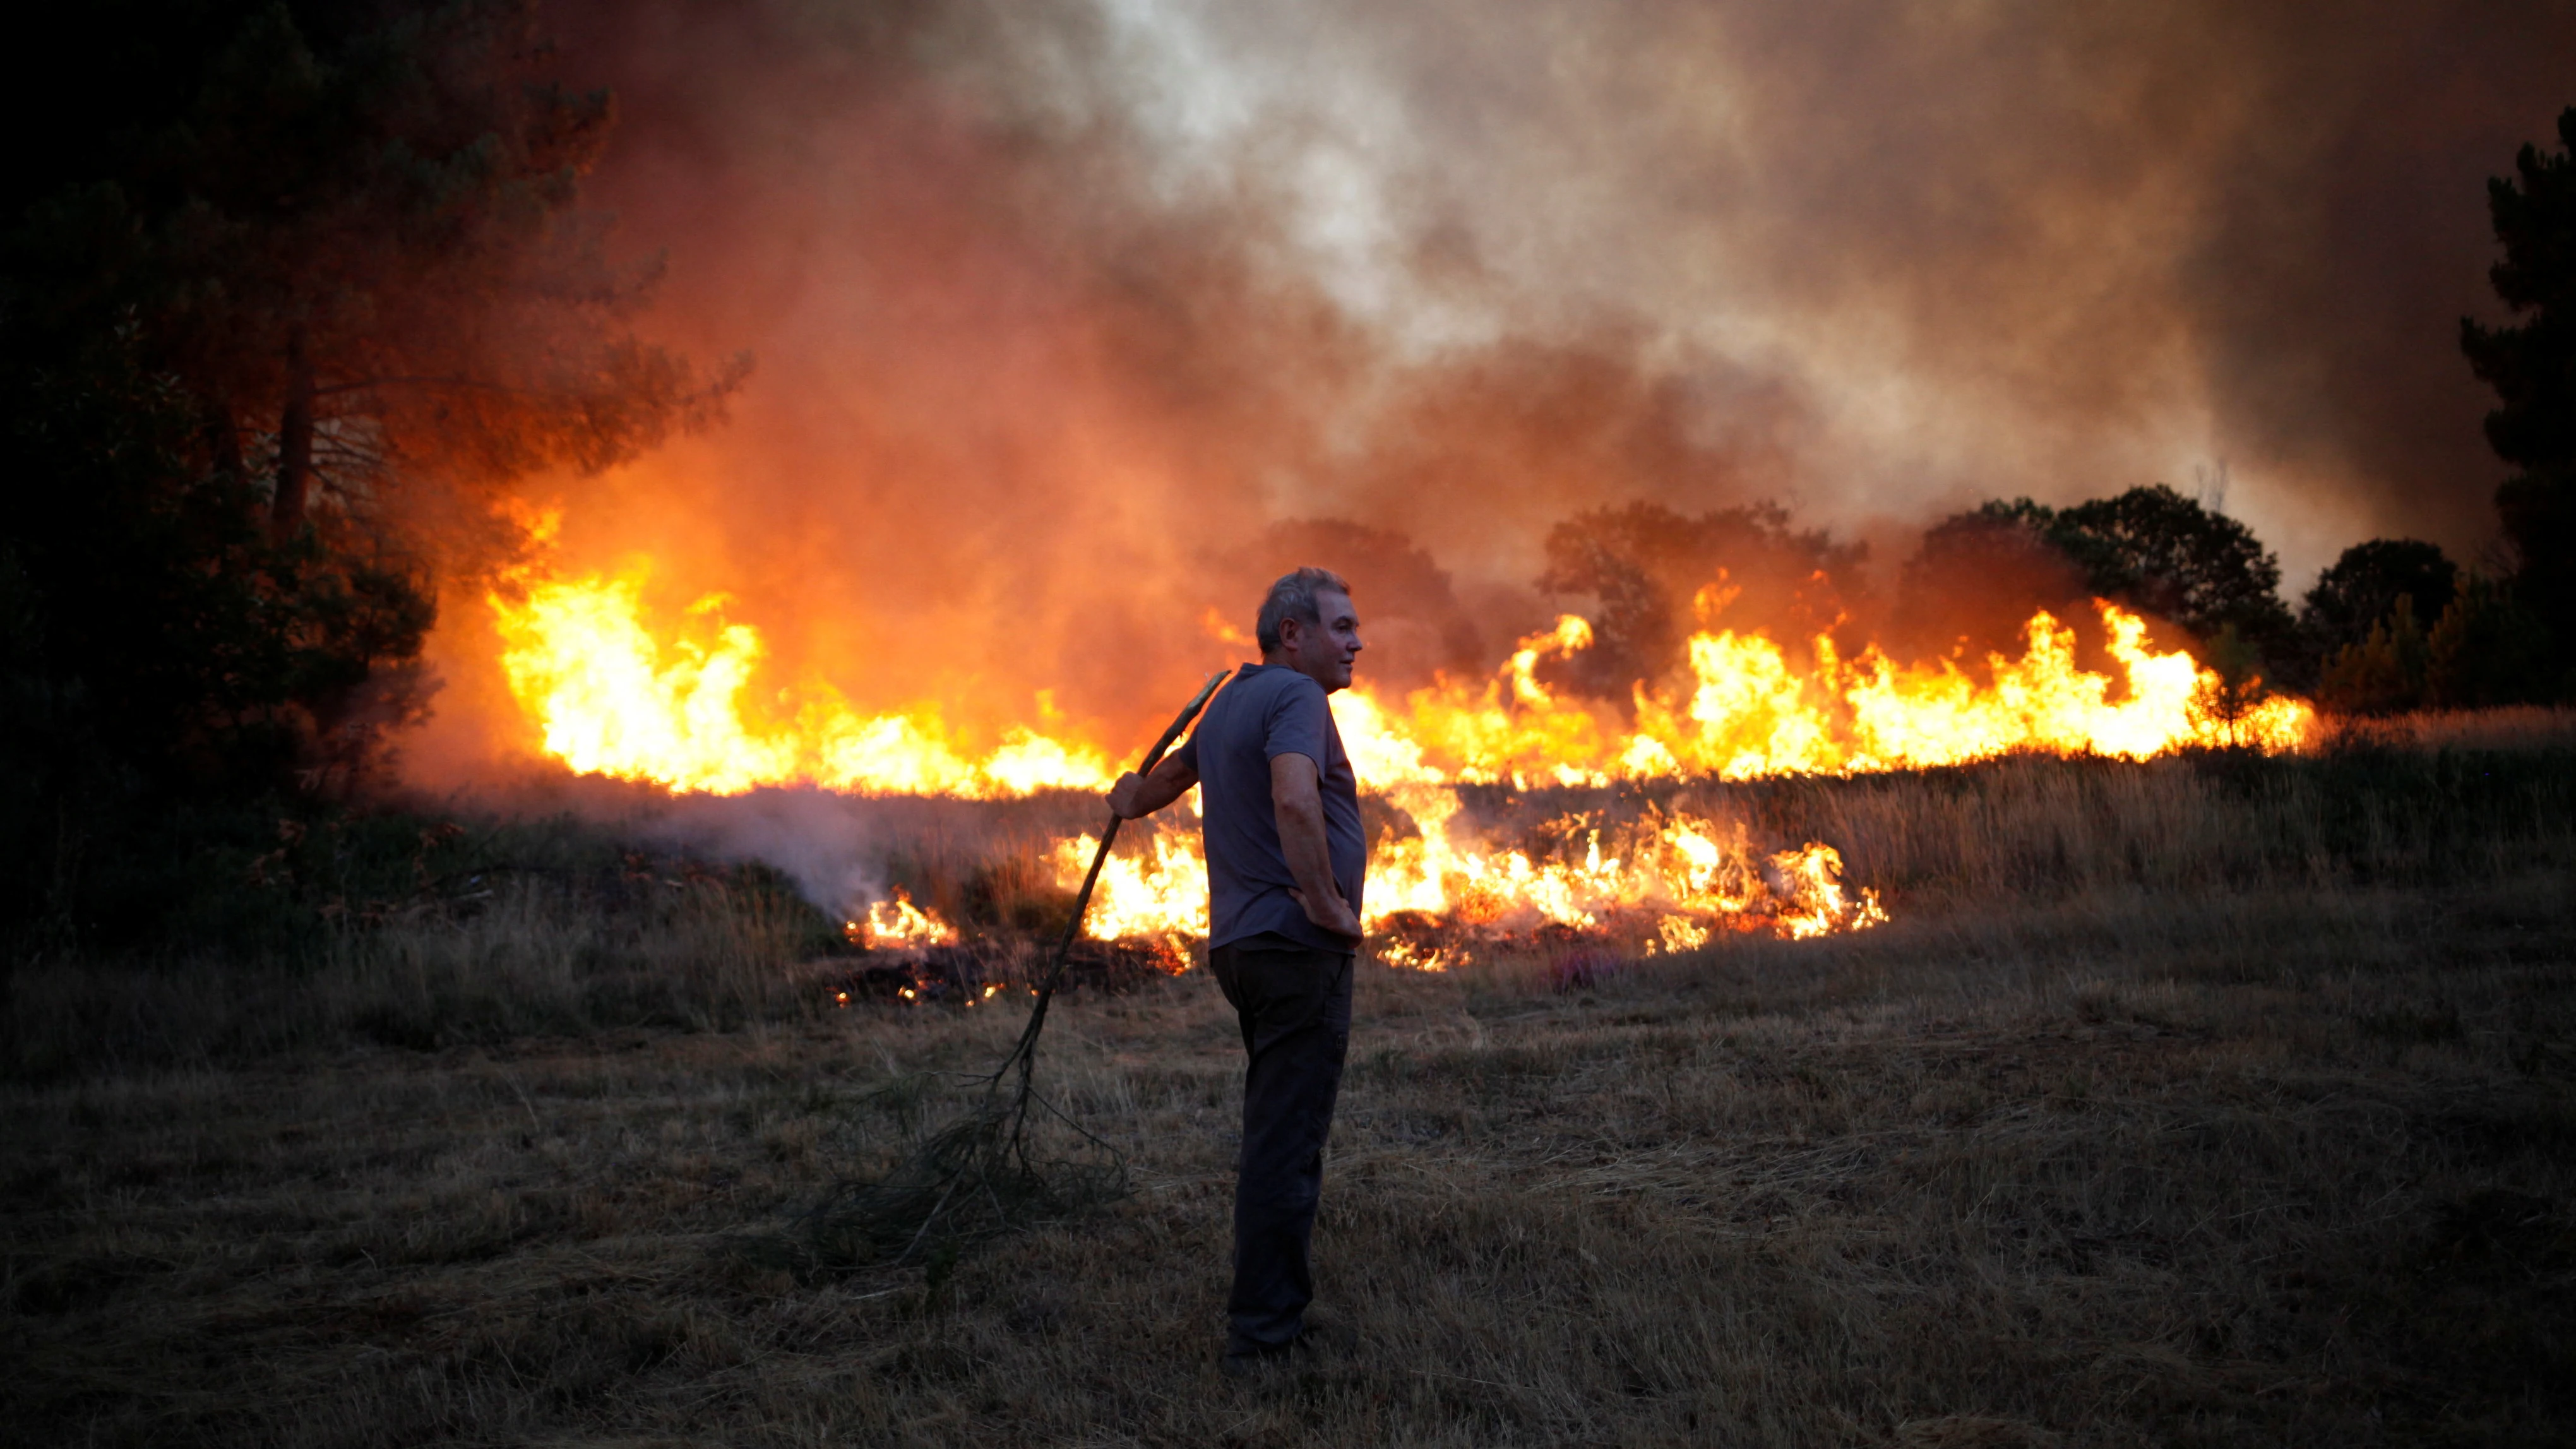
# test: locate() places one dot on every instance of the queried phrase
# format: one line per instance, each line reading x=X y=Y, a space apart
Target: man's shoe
x=1251 y=1365
x=1325 y=1336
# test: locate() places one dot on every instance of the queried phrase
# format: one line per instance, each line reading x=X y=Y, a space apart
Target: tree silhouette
x=2531 y=364
x=2157 y=551
x=349 y=232
x=2149 y=548
x=1978 y=576
x=2358 y=590
x=282 y=275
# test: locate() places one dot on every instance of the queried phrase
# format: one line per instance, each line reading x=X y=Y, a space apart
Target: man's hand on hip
x=1332 y=914
x=1297 y=797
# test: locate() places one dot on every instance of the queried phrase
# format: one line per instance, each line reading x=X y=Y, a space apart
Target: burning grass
x=2210 y=1100
x=553 y=928
x=689 y=702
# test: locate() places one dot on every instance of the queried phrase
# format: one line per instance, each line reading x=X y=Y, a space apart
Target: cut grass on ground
x=2116 y=1166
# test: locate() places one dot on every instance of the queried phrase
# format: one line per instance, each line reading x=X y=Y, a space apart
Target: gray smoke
x=1057 y=305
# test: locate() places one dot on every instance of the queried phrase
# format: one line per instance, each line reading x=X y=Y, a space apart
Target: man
x=1284 y=855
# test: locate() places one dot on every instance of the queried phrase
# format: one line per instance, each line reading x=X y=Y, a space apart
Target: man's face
x=1323 y=651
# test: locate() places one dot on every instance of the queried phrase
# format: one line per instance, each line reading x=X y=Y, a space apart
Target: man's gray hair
x=1293 y=597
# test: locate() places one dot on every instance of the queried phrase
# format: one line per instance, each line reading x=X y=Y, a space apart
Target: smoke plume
x=1060 y=309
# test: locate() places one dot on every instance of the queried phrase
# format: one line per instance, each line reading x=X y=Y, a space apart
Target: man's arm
x=1137 y=795
x=1299 y=801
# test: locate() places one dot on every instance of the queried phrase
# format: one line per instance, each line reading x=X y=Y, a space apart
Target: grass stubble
x=2205 y=1102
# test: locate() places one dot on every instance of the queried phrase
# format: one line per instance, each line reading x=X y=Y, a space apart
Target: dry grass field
x=2214 y=1101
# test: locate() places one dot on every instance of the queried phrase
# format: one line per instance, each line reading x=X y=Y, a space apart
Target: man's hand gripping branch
x=1137 y=796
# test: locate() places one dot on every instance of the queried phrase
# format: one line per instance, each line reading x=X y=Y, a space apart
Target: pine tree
x=350 y=233
x=281 y=275
x=2531 y=364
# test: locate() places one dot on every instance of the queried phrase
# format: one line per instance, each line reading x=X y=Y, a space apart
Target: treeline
x=2392 y=625
x=288 y=289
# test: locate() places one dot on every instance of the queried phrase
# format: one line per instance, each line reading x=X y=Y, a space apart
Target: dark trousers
x=1295 y=1007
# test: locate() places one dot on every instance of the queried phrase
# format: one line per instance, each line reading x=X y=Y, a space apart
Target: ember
x=984 y=973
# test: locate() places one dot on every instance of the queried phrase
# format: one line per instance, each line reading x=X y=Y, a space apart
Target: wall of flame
x=689 y=707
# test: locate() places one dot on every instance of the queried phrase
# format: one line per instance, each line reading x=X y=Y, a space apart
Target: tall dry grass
x=1998 y=846
x=530 y=955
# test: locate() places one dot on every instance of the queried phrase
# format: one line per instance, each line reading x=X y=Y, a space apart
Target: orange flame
x=1747 y=713
x=1160 y=894
x=612 y=696
x=1681 y=880
x=613 y=699
x=899 y=923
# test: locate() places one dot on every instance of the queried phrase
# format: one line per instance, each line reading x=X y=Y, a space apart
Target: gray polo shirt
x=1264 y=712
